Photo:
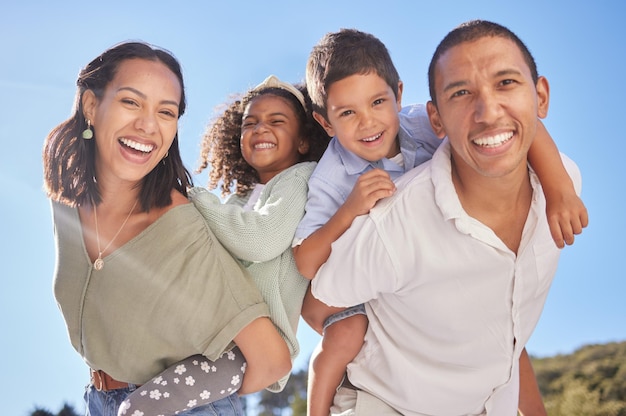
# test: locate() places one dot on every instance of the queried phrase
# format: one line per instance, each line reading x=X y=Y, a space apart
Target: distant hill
x=589 y=382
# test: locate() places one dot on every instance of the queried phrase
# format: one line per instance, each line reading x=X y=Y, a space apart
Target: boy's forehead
x=355 y=86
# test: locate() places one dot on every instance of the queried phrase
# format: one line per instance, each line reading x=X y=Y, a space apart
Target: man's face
x=363 y=114
x=487 y=105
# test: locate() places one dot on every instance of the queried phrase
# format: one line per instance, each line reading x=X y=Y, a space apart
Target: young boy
x=356 y=94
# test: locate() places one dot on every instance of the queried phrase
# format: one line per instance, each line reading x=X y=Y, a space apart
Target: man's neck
x=502 y=204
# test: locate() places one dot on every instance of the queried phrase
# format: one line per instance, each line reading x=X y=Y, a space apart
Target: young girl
x=265 y=147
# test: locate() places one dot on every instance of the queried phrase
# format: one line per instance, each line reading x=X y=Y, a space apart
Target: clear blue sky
x=579 y=47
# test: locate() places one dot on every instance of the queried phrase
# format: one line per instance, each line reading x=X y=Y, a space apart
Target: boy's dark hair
x=469 y=32
x=339 y=55
x=68 y=159
x=221 y=150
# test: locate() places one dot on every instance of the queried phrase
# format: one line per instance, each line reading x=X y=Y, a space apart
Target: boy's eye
x=378 y=101
x=345 y=113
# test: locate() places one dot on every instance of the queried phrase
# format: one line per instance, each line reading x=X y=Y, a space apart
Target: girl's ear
x=324 y=123
x=303 y=147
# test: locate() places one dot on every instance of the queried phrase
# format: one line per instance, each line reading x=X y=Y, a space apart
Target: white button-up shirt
x=450 y=306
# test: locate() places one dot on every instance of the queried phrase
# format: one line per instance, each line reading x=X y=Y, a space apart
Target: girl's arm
x=566 y=212
x=266 y=232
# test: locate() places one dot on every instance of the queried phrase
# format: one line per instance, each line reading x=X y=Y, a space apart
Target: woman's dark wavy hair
x=220 y=148
x=68 y=159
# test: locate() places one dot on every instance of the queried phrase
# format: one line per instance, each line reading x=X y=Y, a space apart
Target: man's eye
x=460 y=93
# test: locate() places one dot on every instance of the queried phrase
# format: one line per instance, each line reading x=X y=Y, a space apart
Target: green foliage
x=292 y=397
x=66 y=410
x=589 y=382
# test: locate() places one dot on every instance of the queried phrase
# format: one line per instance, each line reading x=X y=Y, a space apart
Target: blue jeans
x=106 y=403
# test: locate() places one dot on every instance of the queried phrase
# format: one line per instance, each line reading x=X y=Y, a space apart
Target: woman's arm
x=267 y=355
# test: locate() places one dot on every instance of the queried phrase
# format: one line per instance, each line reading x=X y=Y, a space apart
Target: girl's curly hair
x=220 y=148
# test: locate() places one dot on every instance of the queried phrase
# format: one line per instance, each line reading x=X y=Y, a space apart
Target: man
x=456 y=266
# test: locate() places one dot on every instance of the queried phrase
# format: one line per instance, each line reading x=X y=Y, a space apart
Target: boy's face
x=363 y=114
x=487 y=105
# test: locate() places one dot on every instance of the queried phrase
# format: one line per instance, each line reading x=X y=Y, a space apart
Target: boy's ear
x=324 y=123
x=399 y=96
x=435 y=120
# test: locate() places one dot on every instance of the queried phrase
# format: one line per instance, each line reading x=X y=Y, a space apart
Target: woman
x=140 y=279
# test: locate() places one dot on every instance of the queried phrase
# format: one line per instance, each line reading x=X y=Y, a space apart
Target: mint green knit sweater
x=261 y=239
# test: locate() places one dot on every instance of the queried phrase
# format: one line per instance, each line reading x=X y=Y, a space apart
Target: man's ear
x=435 y=120
x=543 y=97
x=324 y=123
x=89 y=101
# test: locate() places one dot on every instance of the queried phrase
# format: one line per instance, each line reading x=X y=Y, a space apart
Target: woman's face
x=270 y=136
x=135 y=121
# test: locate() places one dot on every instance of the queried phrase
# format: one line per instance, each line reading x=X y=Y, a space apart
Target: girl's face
x=270 y=136
x=135 y=120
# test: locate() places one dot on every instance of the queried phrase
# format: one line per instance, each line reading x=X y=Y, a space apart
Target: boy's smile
x=363 y=115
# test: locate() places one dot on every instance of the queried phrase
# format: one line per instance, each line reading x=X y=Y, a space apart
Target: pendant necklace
x=99 y=263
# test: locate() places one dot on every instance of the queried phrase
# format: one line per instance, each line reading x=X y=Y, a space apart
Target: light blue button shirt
x=338 y=169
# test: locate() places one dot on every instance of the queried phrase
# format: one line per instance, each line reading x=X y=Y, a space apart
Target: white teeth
x=371 y=139
x=146 y=148
x=264 y=145
x=493 y=141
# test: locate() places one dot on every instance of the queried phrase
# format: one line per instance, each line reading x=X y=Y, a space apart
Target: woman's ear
x=435 y=120
x=89 y=101
x=324 y=123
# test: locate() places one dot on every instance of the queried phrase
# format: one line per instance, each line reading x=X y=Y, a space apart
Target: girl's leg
x=190 y=383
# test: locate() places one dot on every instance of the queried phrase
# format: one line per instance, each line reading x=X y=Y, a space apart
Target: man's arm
x=566 y=212
x=530 y=401
x=315 y=249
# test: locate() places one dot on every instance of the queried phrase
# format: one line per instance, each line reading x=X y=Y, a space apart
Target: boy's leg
x=343 y=334
x=192 y=382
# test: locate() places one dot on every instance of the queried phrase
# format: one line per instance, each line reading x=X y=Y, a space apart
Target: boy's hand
x=567 y=216
x=371 y=186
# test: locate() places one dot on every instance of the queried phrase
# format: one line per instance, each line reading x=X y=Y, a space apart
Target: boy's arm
x=566 y=212
x=315 y=249
x=530 y=402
